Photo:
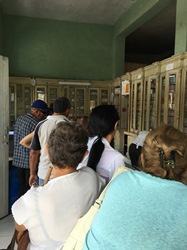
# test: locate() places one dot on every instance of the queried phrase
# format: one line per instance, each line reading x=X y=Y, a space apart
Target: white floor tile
x=6 y=230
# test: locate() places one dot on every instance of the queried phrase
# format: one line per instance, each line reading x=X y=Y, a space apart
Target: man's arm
x=33 y=161
x=34 y=157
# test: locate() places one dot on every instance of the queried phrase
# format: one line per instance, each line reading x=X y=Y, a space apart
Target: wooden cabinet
x=158 y=93
x=183 y=97
x=41 y=93
x=116 y=94
x=47 y=89
x=12 y=106
x=77 y=97
x=104 y=96
x=93 y=98
x=169 y=91
x=124 y=102
x=121 y=102
x=150 y=96
x=99 y=93
x=136 y=103
x=83 y=96
x=20 y=98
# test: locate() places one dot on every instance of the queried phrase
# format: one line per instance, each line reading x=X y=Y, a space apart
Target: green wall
x=57 y=49
x=181 y=27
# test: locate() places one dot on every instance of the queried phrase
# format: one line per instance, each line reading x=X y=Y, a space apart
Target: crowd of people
x=144 y=207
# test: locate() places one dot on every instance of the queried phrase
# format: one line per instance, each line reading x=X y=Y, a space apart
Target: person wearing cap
x=38 y=154
x=24 y=125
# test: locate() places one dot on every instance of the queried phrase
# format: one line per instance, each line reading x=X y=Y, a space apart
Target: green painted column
x=181 y=27
x=1 y=37
x=119 y=55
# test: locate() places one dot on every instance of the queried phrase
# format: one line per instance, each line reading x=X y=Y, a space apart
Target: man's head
x=62 y=105
x=39 y=109
x=67 y=144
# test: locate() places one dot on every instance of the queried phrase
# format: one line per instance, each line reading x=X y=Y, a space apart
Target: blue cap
x=41 y=105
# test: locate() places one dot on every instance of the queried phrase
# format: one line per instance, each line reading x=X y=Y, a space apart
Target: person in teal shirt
x=147 y=210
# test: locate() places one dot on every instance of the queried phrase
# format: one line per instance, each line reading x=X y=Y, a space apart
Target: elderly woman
x=50 y=212
x=147 y=209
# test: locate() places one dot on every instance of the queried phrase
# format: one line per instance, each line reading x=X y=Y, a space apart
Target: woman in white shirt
x=50 y=212
x=104 y=159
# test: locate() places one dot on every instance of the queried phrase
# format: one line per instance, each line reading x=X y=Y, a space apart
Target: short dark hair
x=67 y=144
x=61 y=104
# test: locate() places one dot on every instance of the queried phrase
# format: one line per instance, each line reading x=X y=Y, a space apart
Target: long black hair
x=102 y=121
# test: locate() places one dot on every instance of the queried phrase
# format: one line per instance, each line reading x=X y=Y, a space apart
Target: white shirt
x=110 y=160
x=50 y=212
x=40 y=140
x=139 y=140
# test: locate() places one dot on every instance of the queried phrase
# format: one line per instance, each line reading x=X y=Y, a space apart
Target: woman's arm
x=27 y=140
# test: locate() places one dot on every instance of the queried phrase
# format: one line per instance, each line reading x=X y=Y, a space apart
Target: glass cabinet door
x=169 y=98
x=27 y=98
x=72 y=100
x=19 y=100
x=77 y=97
x=104 y=96
x=150 y=103
x=183 y=102
x=116 y=98
x=136 y=106
x=53 y=93
x=66 y=91
x=40 y=93
x=12 y=105
x=80 y=102
x=69 y=92
x=184 y=129
x=162 y=98
x=93 y=98
x=131 y=111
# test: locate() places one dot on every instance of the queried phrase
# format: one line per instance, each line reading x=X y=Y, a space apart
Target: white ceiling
x=84 y=11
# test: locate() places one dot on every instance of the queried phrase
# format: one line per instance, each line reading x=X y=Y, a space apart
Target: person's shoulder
x=87 y=173
x=86 y=169
x=40 y=123
x=57 y=117
x=113 y=152
x=29 y=118
x=129 y=175
x=21 y=117
x=90 y=177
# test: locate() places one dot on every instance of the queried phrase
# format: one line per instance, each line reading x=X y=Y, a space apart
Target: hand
x=33 y=180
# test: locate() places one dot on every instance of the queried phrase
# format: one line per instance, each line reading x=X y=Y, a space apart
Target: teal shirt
x=140 y=212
